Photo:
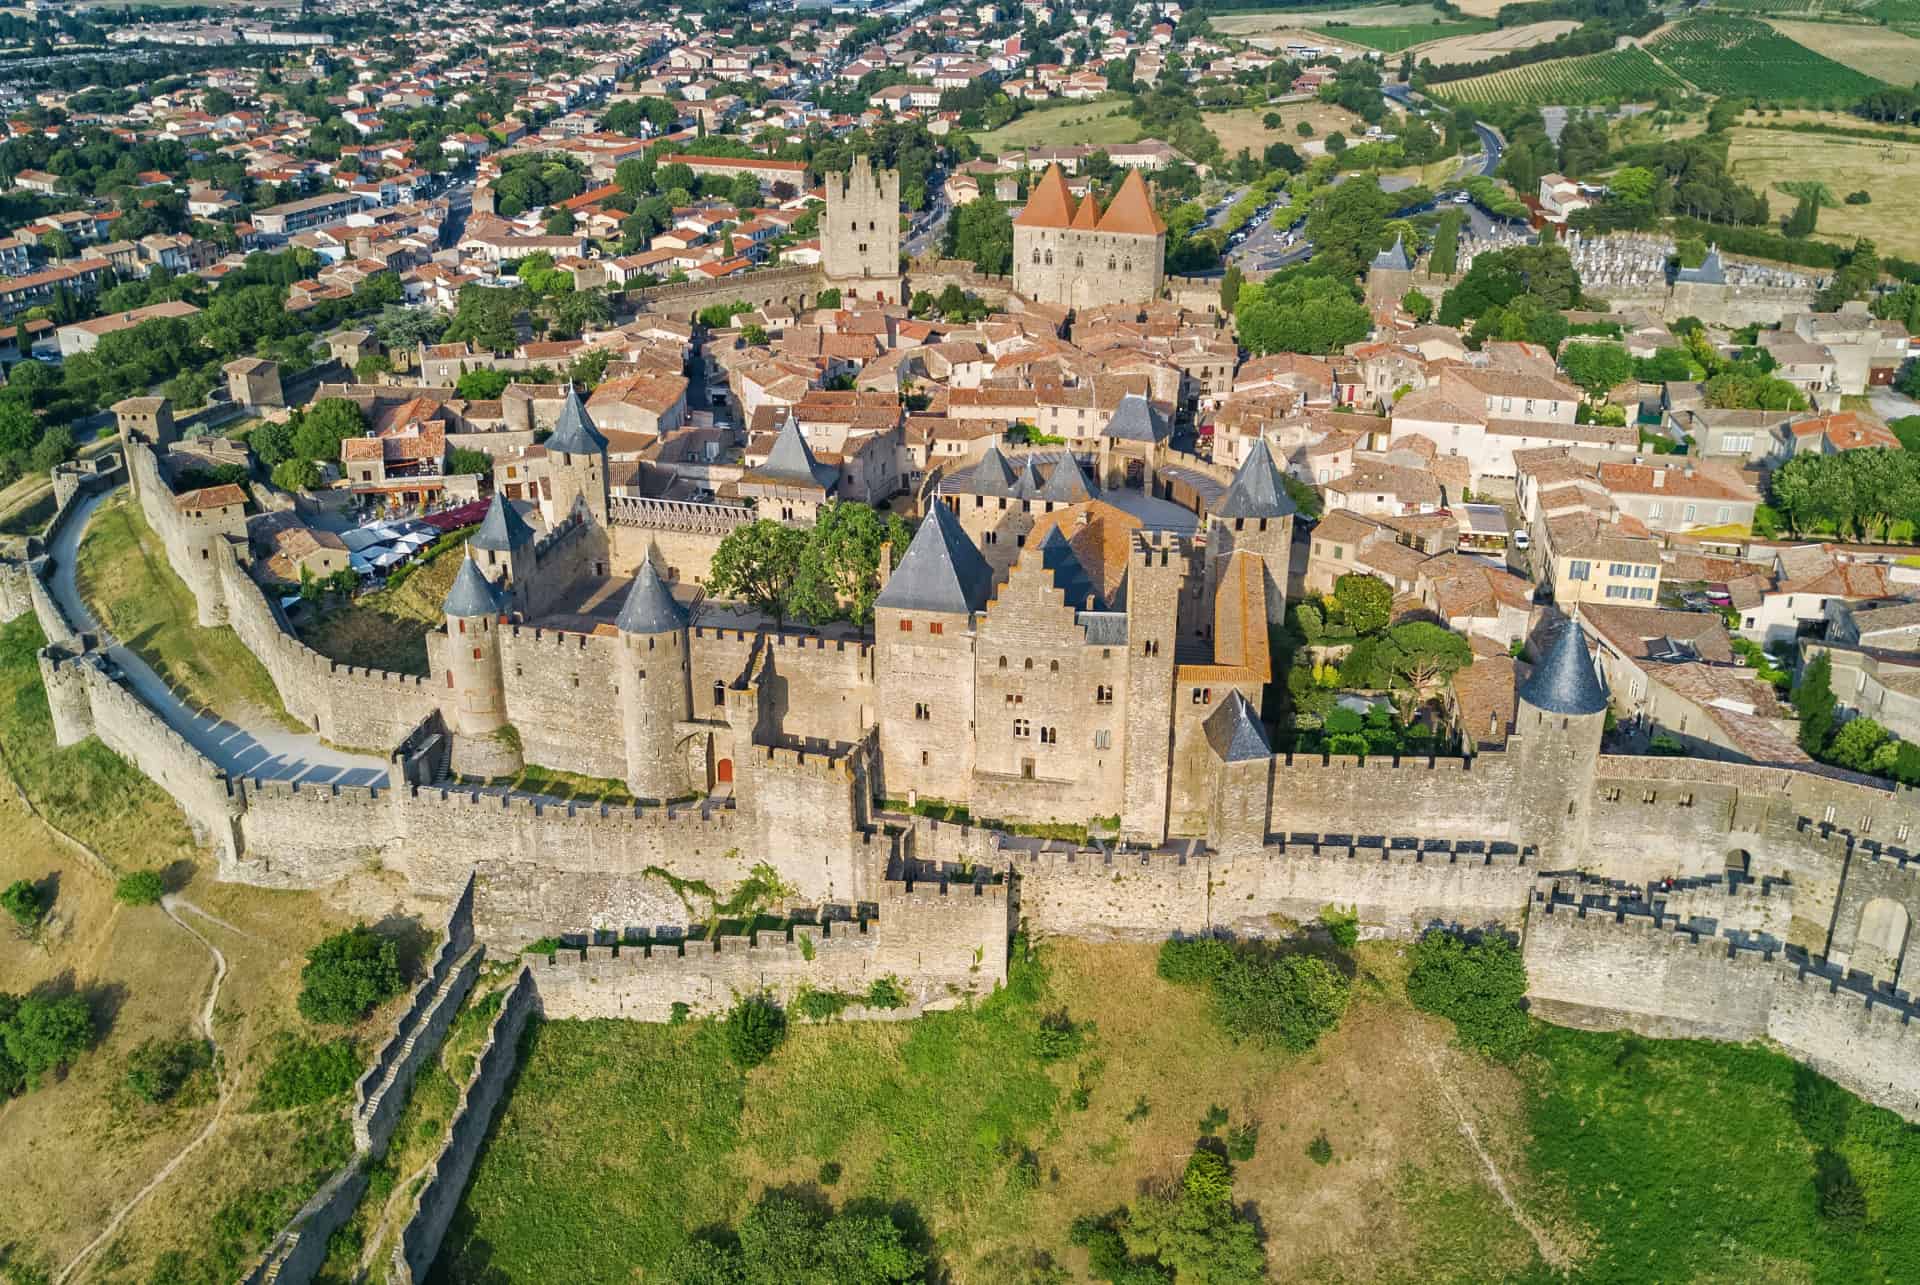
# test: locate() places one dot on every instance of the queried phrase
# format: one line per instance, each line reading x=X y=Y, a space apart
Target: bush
x=347 y=975
x=1258 y=994
x=296 y=475
x=1859 y=198
x=158 y=1068
x=1478 y=986
x=24 y=903
x=304 y=1072
x=886 y=992
x=1342 y=925
x=141 y=888
x=754 y=1027
x=1058 y=1038
x=1320 y=1151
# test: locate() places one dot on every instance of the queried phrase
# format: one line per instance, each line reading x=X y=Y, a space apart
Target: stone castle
x=1075 y=255
x=1042 y=661
x=860 y=233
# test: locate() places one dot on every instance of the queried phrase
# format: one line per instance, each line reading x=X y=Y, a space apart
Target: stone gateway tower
x=1561 y=712
x=1076 y=256
x=860 y=233
x=477 y=700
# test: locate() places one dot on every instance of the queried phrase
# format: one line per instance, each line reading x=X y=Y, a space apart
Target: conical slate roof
x=503 y=529
x=1135 y=420
x=941 y=571
x=574 y=433
x=471 y=594
x=1066 y=484
x=1258 y=490
x=791 y=460
x=1394 y=257
x=1565 y=682
x=650 y=607
x=1027 y=485
x=993 y=475
x=1049 y=205
x=1235 y=732
x=1132 y=211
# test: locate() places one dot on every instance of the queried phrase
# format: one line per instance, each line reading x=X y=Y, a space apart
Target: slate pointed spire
x=472 y=594
x=1066 y=484
x=791 y=459
x=941 y=570
x=650 y=607
x=1258 y=490
x=1235 y=733
x=502 y=529
x=1566 y=682
x=574 y=433
x=993 y=475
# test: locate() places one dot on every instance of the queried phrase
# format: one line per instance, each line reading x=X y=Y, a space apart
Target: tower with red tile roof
x=1075 y=255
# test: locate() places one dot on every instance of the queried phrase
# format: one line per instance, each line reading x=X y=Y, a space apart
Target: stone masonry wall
x=446 y=1176
x=1437 y=798
x=940 y=942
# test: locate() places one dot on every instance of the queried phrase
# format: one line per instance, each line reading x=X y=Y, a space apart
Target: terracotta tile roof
x=1050 y=205
x=1132 y=212
x=210 y=497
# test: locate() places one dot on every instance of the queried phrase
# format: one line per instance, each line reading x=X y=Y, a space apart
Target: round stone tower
x=655 y=686
x=1560 y=712
x=475 y=698
x=1255 y=516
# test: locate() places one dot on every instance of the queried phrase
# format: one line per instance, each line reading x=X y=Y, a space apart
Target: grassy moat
x=1631 y=1159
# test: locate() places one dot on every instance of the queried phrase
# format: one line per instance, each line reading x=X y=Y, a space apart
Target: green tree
x=839 y=572
x=159 y=1069
x=1230 y=285
x=784 y=1240
x=319 y=430
x=1365 y=602
x=296 y=475
x=1478 y=986
x=1598 y=368
x=758 y=564
x=1195 y=1231
x=1814 y=700
x=347 y=975
x=1347 y=225
x=981 y=232
x=1858 y=746
x=482 y=385
x=271 y=442
x=1418 y=306
x=19 y=430
x=1311 y=314
x=44 y=1034
x=371 y=366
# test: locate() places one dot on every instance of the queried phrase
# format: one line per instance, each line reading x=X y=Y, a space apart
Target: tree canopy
x=347 y=975
x=1311 y=314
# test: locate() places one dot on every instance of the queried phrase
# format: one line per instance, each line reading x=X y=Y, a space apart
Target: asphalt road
x=935 y=227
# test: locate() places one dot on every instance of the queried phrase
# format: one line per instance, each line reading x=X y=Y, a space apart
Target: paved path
x=258 y=750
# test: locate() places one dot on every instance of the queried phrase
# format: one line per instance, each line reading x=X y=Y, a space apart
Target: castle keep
x=860 y=233
x=1075 y=255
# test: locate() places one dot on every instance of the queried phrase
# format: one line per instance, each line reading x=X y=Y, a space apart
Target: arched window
x=1053 y=667
x=1112 y=263
x=1080 y=261
x=1036 y=254
x=719 y=693
x=1029 y=662
x=1003 y=662
x=1049 y=258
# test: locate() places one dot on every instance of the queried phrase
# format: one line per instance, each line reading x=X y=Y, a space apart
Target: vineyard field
x=1619 y=75
x=1729 y=55
x=1393 y=39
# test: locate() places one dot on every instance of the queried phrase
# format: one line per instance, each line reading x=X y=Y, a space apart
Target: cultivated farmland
x=1392 y=39
x=1728 y=55
x=1872 y=51
x=1619 y=75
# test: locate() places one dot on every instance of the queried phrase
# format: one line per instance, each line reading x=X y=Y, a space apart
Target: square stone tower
x=860 y=232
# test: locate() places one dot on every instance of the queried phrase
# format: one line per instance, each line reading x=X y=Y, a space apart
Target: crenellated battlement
x=703 y=815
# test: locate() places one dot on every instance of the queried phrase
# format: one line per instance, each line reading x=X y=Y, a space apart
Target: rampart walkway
x=271 y=753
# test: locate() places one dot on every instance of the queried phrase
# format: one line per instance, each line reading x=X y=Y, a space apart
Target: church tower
x=1560 y=714
x=860 y=233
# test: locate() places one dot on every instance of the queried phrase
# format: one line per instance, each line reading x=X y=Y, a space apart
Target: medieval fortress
x=1038 y=658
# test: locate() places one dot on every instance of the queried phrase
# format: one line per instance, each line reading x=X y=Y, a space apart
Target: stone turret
x=1560 y=714
x=1255 y=516
x=503 y=546
x=476 y=694
x=656 y=693
x=577 y=462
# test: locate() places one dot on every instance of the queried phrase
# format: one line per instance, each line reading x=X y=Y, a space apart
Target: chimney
x=1659 y=477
